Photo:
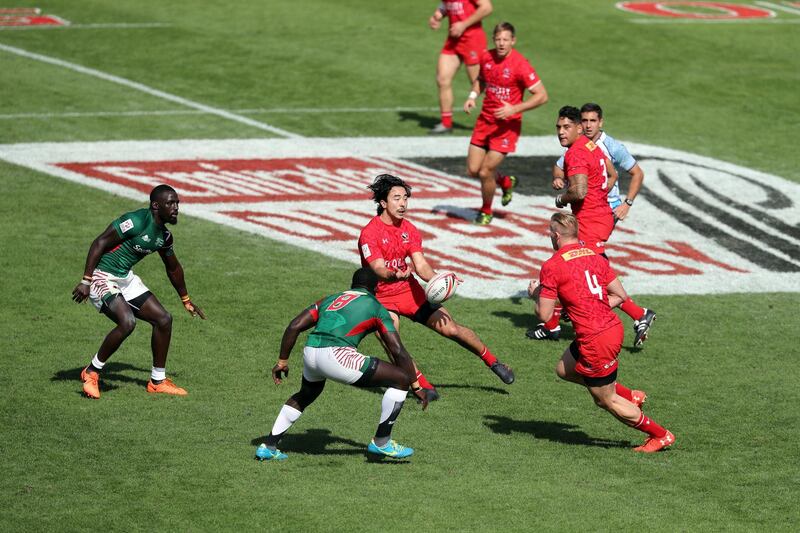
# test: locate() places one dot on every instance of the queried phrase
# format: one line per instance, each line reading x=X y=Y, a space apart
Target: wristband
x=628 y=201
x=86 y=282
x=416 y=390
x=472 y=95
x=185 y=299
x=87 y=278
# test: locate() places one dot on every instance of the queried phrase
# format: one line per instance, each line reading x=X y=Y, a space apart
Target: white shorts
x=339 y=363
x=105 y=285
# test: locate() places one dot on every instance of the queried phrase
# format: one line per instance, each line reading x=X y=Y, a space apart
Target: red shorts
x=500 y=136
x=595 y=231
x=597 y=355
x=468 y=47
x=411 y=303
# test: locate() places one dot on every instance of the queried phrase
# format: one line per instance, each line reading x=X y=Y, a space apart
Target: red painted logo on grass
x=697 y=10
x=28 y=16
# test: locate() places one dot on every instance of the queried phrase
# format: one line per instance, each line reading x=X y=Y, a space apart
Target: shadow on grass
x=443 y=387
x=111 y=373
x=426 y=121
x=527 y=321
x=553 y=431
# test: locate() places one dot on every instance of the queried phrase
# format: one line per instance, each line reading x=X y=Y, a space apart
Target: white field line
x=779 y=7
x=148 y=90
x=257 y=111
x=95 y=26
x=714 y=21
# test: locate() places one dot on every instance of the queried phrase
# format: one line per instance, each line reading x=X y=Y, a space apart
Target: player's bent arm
x=305 y=320
x=176 y=277
x=386 y=274
x=613 y=176
x=545 y=308
x=559 y=180
x=578 y=187
x=421 y=265
x=637 y=178
x=616 y=293
x=104 y=242
x=538 y=96
x=483 y=10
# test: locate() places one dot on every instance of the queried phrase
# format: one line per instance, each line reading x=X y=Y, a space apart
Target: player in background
x=588 y=288
x=341 y=321
x=505 y=75
x=465 y=43
x=384 y=244
x=118 y=293
x=587 y=169
x=592 y=122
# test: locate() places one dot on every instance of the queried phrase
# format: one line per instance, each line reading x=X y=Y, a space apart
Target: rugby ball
x=441 y=287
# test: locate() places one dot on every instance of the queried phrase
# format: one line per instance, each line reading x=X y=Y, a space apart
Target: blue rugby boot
x=265 y=454
x=392 y=449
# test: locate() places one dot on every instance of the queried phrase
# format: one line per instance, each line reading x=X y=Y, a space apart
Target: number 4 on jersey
x=594 y=287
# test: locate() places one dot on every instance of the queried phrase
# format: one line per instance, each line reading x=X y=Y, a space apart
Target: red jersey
x=393 y=244
x=578 y=277
x=458 y=10
x=505 y=80
x=585 y=157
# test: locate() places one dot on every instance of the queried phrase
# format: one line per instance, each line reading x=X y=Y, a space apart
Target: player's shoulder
x=133 y=221
x=371 y=226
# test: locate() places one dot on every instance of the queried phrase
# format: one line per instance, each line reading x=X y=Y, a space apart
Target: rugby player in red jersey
x=340 y=323
x=586 y=171
x=384 y=244
x=505 y=74
x=588 y=288
x=465 y=43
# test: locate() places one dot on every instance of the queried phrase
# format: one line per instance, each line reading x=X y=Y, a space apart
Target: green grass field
x=537 y=455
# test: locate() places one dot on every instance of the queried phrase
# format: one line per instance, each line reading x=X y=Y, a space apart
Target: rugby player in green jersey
x=118 y=293
x=342 y=320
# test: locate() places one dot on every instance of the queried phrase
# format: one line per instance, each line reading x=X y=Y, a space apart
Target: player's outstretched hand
x=281 y=367
x=193 y=309
x=80 y=292
x=421 y=396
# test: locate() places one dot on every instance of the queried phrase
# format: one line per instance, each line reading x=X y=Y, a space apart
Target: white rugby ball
x=441 y=287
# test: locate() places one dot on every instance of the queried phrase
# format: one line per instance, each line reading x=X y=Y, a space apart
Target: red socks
x=504 y=182
x=487 y=207
x=631 y=309
x=646 y=425
x=623 y=391
x=553 y=322
x=488 y=358
x=423 y=382
x=447 y=119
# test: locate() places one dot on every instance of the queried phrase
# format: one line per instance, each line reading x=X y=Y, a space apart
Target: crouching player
x=342 y=320
x=588 y=288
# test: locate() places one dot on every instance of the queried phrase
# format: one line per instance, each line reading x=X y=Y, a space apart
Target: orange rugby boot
x=166 y=387
x=638 y=397
x=653 y=444
x=91 y=383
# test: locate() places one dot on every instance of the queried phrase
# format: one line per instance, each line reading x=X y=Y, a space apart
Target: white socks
x=97 y=363
x=390 y=399
x=286 y=418
x=158 y=374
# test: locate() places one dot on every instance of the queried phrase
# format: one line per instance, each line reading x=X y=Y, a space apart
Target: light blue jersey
x=619 y=156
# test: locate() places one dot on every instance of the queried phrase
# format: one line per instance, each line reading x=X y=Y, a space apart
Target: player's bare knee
x=127 y=324
x=164 y=322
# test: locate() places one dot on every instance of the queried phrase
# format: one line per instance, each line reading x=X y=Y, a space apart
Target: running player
x=342 y=320
x=505 y=74
x=118 y=293
x=588 y=288
x=596 y=227
x=385 y=243
x=465 y=43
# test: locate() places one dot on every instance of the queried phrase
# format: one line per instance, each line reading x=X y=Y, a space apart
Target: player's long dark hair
x=382 y=185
